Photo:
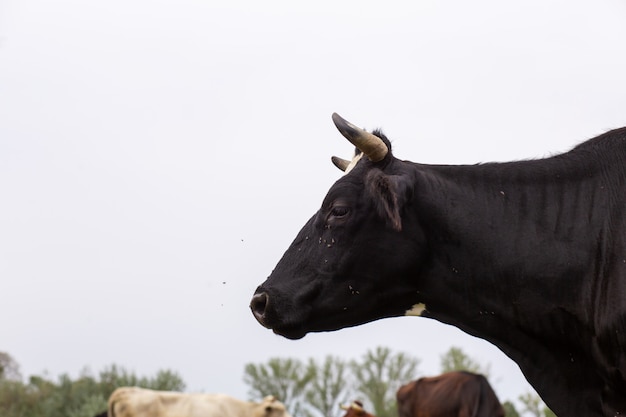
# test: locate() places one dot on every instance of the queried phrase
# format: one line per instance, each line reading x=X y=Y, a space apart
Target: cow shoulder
x=405 y=397
x=133 y=402
x=489 y=405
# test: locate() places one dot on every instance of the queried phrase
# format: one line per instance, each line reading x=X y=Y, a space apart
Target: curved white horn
x=370 y=144
x=356 y=406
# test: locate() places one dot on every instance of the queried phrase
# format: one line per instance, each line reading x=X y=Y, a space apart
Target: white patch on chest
x=416 y=310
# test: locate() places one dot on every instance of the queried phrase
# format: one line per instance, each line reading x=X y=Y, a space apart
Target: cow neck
x=538 y=229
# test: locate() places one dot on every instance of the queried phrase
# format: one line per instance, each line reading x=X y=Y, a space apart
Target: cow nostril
x=258 y=305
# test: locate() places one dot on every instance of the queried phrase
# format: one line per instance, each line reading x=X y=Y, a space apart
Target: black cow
x=453 y=394
x=530 y=255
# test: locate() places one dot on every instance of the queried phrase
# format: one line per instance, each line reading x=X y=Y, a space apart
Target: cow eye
x=339 y=211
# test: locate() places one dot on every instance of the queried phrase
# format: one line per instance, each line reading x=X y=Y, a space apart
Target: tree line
x=84 y=396
x=311 y=388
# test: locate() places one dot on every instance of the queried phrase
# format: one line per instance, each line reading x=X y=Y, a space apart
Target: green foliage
x=15 y=401
x=113 y=376
x=166 y=380
x=548 y=413
x=379 y=375
x=320 y=388
x=328 y=387
x=534 y=406
x=9 y=369
x=90 y=406
x=509 y=409
x=456 y=360
x=85 y=396
x=285 y=379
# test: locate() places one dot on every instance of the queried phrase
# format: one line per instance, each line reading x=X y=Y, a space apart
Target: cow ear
x=390 y=193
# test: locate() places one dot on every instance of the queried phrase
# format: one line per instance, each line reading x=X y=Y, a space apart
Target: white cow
x=141 y=402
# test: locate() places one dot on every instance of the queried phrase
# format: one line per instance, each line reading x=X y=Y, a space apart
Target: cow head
x=271 y=407
x=355 y=409
x=350 y=262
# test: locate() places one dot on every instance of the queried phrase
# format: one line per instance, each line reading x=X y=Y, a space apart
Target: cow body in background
x=453 y=394
x=529 y=255
x=141 y=402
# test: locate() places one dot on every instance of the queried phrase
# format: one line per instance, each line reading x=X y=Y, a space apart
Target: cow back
x=453 y=394
x=139 y=402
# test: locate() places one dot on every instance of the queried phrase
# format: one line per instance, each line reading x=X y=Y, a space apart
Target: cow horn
x=353 y=406
x=368 y=143
x=356 y=407
x=340 y=163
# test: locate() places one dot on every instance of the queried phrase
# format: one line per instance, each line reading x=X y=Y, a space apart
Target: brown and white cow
x=141 y=402
x=453 y=394
x=355 y=409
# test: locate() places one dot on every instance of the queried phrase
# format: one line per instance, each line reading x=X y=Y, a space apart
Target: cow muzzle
x=264 y=313
x=258 y=305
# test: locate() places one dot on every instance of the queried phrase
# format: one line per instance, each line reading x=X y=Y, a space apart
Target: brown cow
x=453 y=394
x=140 y=402
x=355 y=409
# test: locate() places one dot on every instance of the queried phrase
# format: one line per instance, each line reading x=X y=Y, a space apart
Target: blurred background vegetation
x=313 y=388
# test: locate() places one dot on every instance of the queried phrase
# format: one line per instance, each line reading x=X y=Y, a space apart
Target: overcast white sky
x=158 y=157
